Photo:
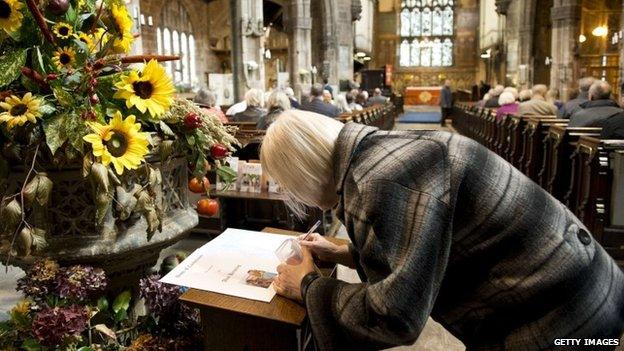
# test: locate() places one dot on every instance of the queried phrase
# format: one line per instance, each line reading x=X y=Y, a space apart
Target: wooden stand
x=237 y=324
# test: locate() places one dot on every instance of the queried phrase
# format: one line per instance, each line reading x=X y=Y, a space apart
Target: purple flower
x=39 y=279
x=80 y=282
x=160 y=298
x=53 y=325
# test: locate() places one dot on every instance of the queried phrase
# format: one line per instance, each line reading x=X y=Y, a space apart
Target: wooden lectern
x=237 y=324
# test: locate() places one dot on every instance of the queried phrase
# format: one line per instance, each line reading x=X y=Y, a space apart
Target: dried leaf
x=102 y=203
x=113 y=177
x=39 y=239
x=125 y=203
x=155 y=177
x=99 y=172
x=144 y=202
x=106 y=331
x=11 y=215
x=24 y=242
x=38 y=189
x=87 y=163
x=153 y=223
x=166 y=149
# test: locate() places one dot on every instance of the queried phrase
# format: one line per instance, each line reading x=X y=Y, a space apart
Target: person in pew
x=354 y=106
x=341 y=103
x=254 y=100
x=524 y=95
x=600 y=106
x=377 y=98
x=513 y=91
x=508 y=104
x=613 y=127
x=440 y=226
x=552 y=96
x=291 y=96
x=538 y=106
x=277 y=103
x=328 y=98
x=572 y=106
x=317 y=104
x=495 y=93
x=207 y=101
x=362 y=98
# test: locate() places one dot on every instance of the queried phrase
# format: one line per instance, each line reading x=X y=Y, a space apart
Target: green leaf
x=10 y=66
x=54 y=129
x=166 y=129
x=31 y=345
x=122 y=302
x=102 y=304
x=39 y=59
x=121 y=316
x=64 y=98
x=71 y=14
x=85 y=348
x=47 y=109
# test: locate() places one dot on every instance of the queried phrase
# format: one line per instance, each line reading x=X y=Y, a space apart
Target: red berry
x=94 y=99
x=192 y=120
x=218 y=151
x=51 y=76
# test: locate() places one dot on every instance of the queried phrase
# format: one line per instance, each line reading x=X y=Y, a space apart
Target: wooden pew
x=593 y=173
x=536 y=133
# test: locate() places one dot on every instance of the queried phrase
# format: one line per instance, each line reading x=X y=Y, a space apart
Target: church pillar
x=621 y=75
x=525 y=43
x=248 y=43
x=566 y=19
x=300 y=42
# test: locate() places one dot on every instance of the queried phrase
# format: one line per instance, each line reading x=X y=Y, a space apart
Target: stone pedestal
x=566 y=19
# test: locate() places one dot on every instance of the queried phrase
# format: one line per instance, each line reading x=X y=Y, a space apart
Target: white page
x=222 y=265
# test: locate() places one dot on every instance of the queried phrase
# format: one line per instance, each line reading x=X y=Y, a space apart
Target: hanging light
x=360 y=54
x=367 y=58
x=582 y=38
x=600 y=31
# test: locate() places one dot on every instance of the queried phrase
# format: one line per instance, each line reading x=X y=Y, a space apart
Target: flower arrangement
x=69 y=95
x=65 y=308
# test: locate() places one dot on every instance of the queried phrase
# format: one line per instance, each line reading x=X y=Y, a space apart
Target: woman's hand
x=288 y=281
x=327 y=251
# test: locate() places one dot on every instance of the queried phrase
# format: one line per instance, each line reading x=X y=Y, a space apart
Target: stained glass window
x=426 y=30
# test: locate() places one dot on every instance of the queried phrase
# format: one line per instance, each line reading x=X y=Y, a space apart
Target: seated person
x=600 y=106
x=317 y=104
x=495 y=93
x=207 y=100
x=277 y=103
x=377 y=98
x=613 y=127
x=354 y=106
x=538 y=106
x=508 y=105
x=254 y=100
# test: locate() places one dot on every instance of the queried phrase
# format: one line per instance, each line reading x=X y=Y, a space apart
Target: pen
x=316 y=225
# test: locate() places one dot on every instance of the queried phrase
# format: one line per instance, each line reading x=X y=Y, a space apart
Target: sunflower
x=86 y=39
x=63 y=30
x=123 y=26
x=100 y=37
x=64 y=57
x=17 y=111
x=119 y=142
x=151 y=90
x=10 y=15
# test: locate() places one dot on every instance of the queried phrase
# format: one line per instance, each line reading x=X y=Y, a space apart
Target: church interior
x=154 y=151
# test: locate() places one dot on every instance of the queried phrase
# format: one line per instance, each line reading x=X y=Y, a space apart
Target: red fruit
x=199 y=187
x=94 y=99
x=51 y=77
x=93 y=82
x=208 y=207
x=218 y=151
x=192 y=120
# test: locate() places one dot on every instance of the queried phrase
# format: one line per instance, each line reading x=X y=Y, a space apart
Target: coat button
x=584 y=237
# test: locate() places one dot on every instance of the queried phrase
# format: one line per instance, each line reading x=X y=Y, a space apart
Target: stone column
x=300 y=43
x=253 y=43
x=621 y=81
x=525 y=42
x=237 y=65
x=566 y=19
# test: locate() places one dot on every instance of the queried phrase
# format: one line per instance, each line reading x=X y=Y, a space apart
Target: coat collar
x=599 y=103
x=346 y=147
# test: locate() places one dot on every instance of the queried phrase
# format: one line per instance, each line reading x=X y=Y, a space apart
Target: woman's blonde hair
x=298 y=153
x=254 y=97
x=278 y=99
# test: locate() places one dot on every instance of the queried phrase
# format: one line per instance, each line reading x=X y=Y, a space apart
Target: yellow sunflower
x=87 y=39
x=100 y=38
x=11 y=15
x=63 y=30
x=151 y=90
x=18 y=111
x=119 y=142
x=64 y=57
x=123 y=26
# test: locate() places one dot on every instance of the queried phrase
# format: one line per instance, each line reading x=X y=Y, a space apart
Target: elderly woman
x=207 y=100
x=342 y=104
x=277 y=103
x=254 y=99
x=508 y=105
x=439 y=226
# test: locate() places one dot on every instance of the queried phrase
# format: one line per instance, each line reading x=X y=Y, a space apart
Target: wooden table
x=233 y=323
x=422 y=96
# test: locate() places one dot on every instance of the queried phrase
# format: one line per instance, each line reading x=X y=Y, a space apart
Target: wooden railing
x=572 y=164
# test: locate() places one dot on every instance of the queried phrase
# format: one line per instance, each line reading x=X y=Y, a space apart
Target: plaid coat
x=443 y=227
